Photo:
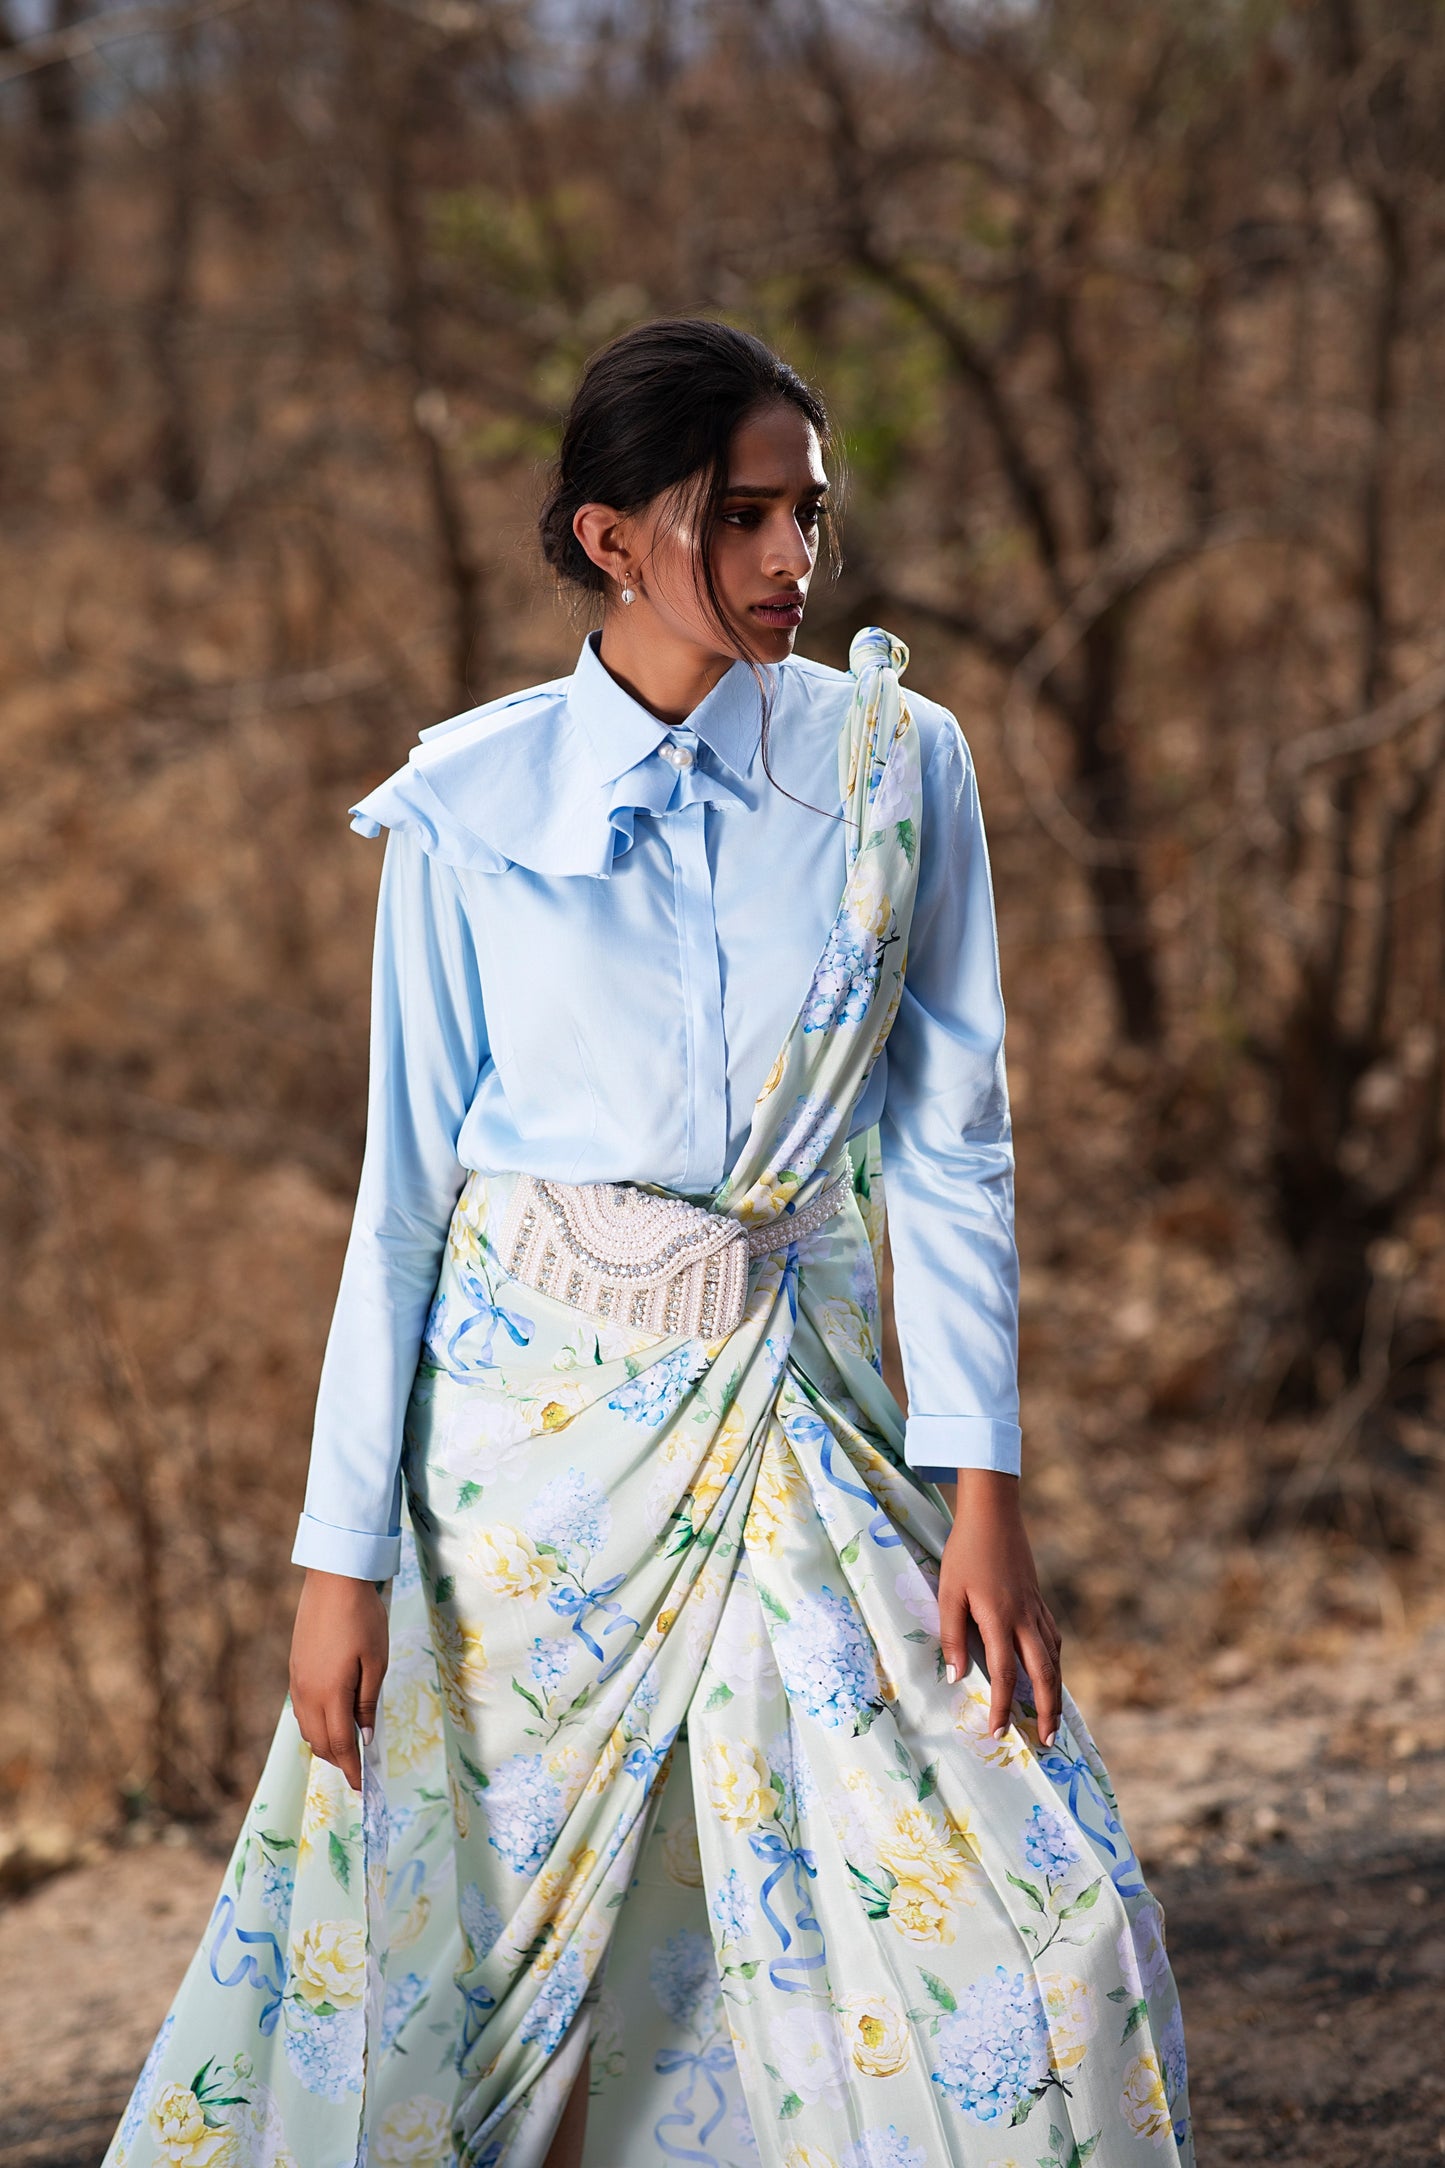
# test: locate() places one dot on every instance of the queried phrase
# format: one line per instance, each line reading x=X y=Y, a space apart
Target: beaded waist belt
x=658 y=1264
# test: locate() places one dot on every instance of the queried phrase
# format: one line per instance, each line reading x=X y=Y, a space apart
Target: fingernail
x=1050 y=1738
x=950 y=1672
x=366 y=1735
x=1001 y=1731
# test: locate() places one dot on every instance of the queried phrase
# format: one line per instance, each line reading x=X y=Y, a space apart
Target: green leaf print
x=340 y=1864
x=791 y=2105
x=917 y=1633
x=908 y=837
x=719 y=1698
x=1084 y=1902
x=468 y=1496
x=770 y=1602
x=1030 y=1892
x=1027 y=2106
x=530 y=1699
x=445 y=1589
x=940 y=1990
x=874 y=1895
x=928 y=1781
x=476 y=1776
x=1137 y=2015
x=849 y=1553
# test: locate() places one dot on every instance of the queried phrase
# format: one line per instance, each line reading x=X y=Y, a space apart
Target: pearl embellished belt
x=658 y=1264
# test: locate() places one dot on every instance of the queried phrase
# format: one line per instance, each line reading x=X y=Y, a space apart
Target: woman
x=717 y=1796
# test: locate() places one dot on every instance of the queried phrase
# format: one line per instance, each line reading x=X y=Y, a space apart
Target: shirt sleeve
x=947 y=1148
x=428 y=1048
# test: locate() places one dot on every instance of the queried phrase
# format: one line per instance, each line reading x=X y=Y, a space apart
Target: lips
x=784 y=610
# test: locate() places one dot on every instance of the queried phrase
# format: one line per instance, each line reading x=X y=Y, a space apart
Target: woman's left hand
x=989 y=1576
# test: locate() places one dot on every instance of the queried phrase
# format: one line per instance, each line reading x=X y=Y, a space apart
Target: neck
x=668 y=676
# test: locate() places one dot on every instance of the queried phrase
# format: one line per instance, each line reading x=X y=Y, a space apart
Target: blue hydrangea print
x=879 y=2148
x=827 y=1661
x=993 y=2051
x=402 y=1997
x=524 y=1810
x=571 y=1513
x=684 y=1977
x=732 y=1907
x=481 y=1921
x=548 y=1660
x=326 y=2053
x=556 y=2003
x=843 y=979
x=1048 y=1844
x=278 y=1887
x=140 y=2099
x=656 y=1393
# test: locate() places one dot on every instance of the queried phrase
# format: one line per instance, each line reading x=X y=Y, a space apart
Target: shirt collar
x=619 y=731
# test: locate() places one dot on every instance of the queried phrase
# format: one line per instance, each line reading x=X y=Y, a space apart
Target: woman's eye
x=746 y=518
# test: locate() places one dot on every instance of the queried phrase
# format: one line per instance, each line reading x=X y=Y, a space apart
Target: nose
x=792 y=551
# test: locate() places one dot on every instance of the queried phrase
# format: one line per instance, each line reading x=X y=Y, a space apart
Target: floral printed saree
x=667 y=1783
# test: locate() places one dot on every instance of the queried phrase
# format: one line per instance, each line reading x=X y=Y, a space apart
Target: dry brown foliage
x=1131 y=316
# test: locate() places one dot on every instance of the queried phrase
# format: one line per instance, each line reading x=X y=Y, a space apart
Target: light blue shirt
x=593 y=935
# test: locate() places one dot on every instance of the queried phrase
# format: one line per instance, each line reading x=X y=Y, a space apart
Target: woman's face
x=764 y=548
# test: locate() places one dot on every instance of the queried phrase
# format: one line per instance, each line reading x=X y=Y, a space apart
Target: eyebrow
x=762 y=489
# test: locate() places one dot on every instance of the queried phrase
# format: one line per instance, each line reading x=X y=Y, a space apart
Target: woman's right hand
x=338 y=1661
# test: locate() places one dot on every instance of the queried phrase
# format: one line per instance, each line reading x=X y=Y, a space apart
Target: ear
x=605 y=534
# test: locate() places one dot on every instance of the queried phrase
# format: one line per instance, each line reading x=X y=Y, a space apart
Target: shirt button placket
x=702 y=986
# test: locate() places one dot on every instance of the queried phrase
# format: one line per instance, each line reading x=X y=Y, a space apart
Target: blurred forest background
x=1132 y=313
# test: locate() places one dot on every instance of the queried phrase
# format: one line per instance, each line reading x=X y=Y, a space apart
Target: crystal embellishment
x=659 y=1264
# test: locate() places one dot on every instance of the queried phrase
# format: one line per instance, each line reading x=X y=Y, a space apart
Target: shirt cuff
x=348 y=1551
x=937 y=1446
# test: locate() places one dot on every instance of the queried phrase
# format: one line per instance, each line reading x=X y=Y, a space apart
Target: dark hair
x=655 y=411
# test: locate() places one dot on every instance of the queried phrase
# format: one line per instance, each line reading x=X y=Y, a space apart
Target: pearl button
x=677 y=756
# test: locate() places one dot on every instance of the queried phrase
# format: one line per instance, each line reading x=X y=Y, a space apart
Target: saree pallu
x=667 y=1782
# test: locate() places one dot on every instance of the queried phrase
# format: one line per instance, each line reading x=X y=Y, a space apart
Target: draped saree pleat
x=667 y=1781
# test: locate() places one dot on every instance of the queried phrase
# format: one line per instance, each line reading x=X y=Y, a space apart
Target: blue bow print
x=768 y=1845
x=706 y=2065
x=576 y=1603
x=248 y=1971
x=1075 y=1775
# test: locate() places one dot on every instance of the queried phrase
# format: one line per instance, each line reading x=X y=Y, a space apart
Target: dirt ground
x=1293 y=1821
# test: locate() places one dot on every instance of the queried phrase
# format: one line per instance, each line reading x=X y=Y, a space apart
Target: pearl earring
x=628 y=595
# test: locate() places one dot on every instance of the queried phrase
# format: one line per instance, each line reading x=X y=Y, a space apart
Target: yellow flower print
x=921 y=1849
x=808 y=2156
x=412 y=1925
x=461 y=1666
x=551 y=1906
x=876 y=2032
x=970 y=1719
x=416 y=2133
x=737 y=1784
x=780 y=1497
x=608 y=1762
x=328 y=1964
x=774 y=1076
x=845 y=1329
x=327 y=1795
x=920 y=1913
x=722 y=1458
x=769 y=1195
x=868 y=898
x=183 y=2137
x=1072 y=2012
x=413 y=1729
x=507 y=1562
x=680 y=1855
x=461 y=1804
x=1145 y=2104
